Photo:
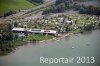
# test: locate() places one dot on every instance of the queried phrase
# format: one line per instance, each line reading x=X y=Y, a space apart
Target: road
x=47 y=3
x=39 y=15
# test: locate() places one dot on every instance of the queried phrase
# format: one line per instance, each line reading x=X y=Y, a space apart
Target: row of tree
x=6 y=38
x=36 y=1
x=63 y=5
x=5 y=31
x=59 y=6
x=87 y=9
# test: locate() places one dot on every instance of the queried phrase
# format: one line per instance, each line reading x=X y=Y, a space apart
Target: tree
x=5 y=31
x=63 y=1
x=99 y=24
x=15 y=24
x=37 y=1
x=9 y=13
x=67 y=28
x=59 y=6
x=88 y=27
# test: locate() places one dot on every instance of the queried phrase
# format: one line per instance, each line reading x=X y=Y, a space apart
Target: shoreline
x=29 y=43
x=60 y=37
x=55 y=38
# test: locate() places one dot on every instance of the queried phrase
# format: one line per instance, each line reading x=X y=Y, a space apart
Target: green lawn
x=38 y=37
x=14 y=5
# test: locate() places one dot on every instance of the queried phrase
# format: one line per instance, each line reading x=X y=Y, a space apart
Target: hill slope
x=14 y=5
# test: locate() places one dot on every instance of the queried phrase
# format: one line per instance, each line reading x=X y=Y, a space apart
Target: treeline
x=85 y=0
x=79 y=0
x=5 y=31
x=5 y=36
x=87 y=9
x=36 y=1
x=7 y=14
x=8 y=40
x=90 y=10
x=63 y=1
x=63 y=5
x=59 y=6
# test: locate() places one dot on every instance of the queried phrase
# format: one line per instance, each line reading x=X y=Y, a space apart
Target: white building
x=42 y=31
x=50 y=31
x=35 y=31
x=70 y=22
x=18 y=29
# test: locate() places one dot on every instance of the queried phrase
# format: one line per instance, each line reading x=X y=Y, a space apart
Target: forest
x=63 y=5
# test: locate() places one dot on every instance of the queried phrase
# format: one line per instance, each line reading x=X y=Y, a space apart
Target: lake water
x=85 y=45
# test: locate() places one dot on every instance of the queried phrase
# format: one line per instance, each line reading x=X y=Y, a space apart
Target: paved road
x=39 y=15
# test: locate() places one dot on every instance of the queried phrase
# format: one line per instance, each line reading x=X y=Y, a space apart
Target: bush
x=88 y=27
x=9 y=13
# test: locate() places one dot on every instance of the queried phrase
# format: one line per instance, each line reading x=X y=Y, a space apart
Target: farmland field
x=14 y=5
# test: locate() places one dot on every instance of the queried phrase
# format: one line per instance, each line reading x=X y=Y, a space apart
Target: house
x=19 y=30
x=50 y=31
x=36 y=31
x=42 y=31
x=69 y=22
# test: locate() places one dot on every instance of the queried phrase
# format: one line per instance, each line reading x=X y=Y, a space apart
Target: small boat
x=72 y=47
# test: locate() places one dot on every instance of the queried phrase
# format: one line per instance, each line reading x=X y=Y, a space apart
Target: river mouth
x=76 y=45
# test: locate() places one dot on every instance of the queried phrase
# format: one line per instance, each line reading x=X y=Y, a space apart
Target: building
x=36 y=31
x=42 y=31
x=21 y=31
x=50 y=31
x=70 y=22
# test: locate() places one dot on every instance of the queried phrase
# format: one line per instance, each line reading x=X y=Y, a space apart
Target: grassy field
x=14 y=5
x=38 y=37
